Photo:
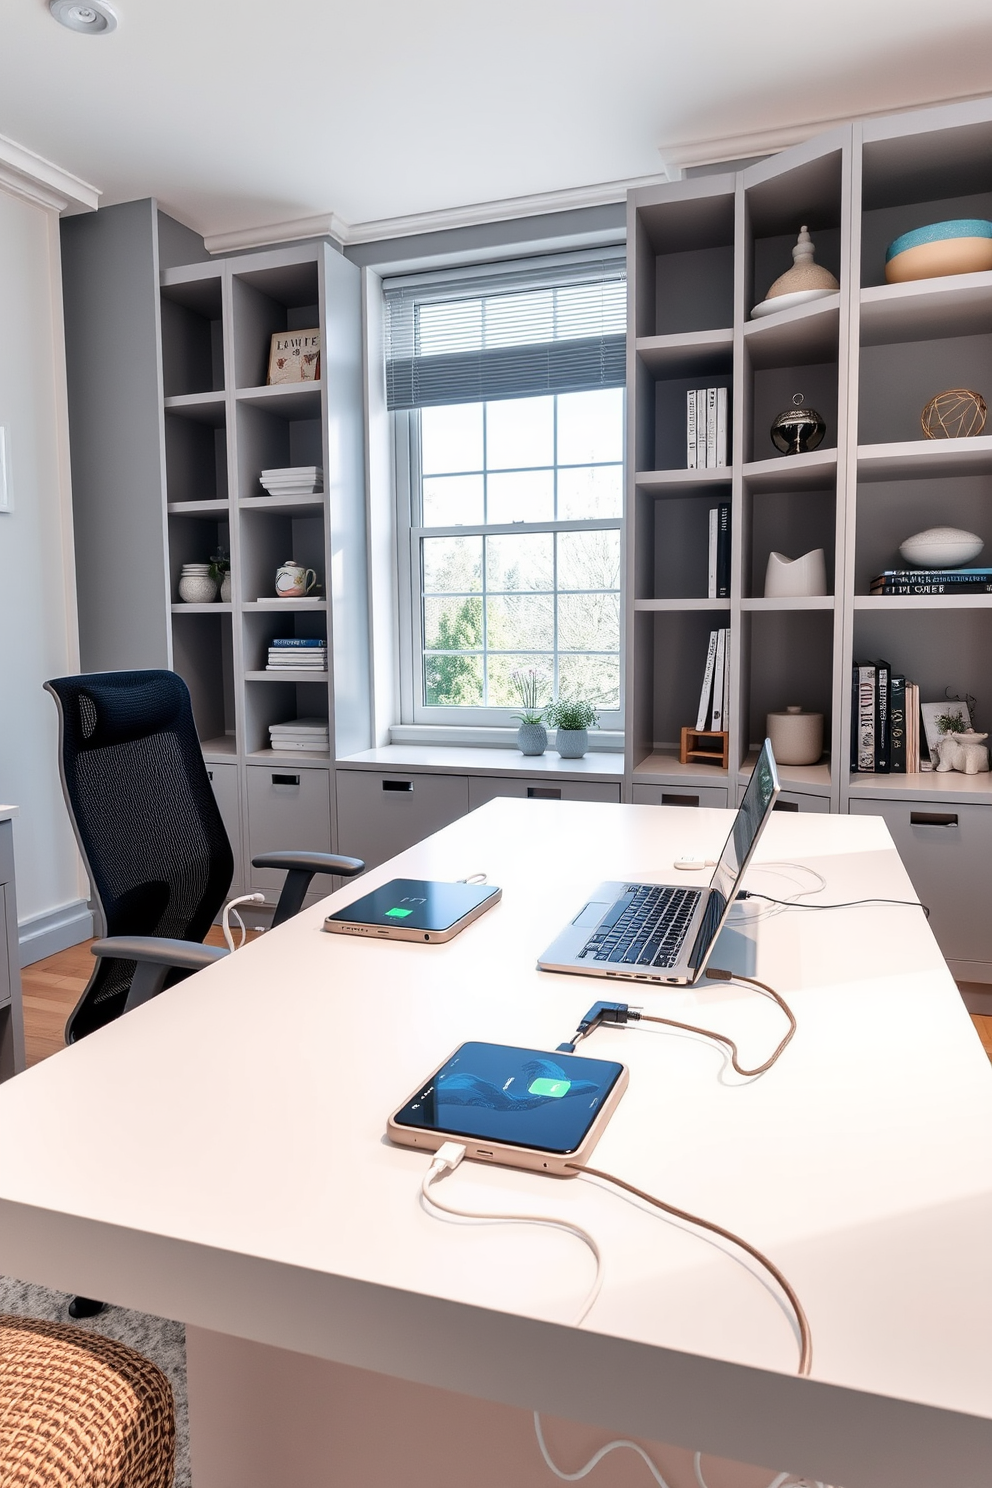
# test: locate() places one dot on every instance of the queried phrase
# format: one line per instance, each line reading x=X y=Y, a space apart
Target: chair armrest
x=153 y=950
x=310 y=862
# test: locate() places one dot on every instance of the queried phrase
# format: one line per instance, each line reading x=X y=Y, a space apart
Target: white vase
x=797 y=737
x=532 y=738
x=790 y=578
x=197 y=589
x=225 y=589
x=571 y=743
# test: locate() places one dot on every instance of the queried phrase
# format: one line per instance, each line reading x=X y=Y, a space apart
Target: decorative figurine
x=798 y=429
x=806 y=280
x=967 y=753
x=941 y=547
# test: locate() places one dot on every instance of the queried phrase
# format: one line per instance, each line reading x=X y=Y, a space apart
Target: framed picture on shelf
x=935 y=719
x=294 y=356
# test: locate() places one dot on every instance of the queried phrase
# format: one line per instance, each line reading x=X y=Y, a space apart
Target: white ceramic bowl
x=941 y=547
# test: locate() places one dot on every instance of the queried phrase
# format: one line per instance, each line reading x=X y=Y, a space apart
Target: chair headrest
x=105 y=708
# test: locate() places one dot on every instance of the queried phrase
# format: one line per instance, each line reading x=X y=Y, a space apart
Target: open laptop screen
x=750 y=819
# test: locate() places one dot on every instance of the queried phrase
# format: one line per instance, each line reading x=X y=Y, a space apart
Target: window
x=511 y=505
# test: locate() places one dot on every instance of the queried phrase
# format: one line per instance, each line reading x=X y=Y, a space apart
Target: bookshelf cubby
x=868 y=358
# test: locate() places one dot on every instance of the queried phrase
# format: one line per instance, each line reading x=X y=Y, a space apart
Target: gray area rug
x=158 y=1339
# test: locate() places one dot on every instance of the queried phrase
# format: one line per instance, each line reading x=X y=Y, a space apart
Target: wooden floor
x=52 y=987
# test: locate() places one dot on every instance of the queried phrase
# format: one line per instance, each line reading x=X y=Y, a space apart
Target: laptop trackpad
x=591 y=915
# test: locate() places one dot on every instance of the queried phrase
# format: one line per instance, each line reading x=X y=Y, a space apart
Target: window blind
x=553 y=326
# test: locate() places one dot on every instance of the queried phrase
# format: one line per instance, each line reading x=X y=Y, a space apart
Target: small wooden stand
x=709 y=746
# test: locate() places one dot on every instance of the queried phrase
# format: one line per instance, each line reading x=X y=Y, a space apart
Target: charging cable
x=848 y=904
x=776 y=1482
x=473 y=878
x=621 y=1012
x=229 y=909
x=447 y=1159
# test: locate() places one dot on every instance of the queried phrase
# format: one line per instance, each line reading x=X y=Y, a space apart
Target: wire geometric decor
x=956 y=414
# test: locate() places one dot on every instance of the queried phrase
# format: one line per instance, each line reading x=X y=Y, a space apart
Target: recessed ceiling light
x=94 y=19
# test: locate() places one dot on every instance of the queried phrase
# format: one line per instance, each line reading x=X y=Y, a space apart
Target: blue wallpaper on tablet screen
x=523 y=1096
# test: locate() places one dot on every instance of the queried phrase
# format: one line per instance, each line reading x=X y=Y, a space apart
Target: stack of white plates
x=293 y=480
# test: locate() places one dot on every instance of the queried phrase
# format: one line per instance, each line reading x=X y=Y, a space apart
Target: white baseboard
x=54 y=930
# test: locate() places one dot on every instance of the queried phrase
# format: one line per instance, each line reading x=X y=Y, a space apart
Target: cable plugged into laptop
x=600 y=1012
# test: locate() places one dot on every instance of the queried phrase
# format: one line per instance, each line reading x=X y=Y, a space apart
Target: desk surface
x=218 y=1156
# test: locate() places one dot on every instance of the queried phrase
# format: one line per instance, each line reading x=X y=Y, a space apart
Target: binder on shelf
x=703 y=712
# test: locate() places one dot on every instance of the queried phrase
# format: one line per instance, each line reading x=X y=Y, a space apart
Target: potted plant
x=532 y=736
x=220 y=572
x=571 y=721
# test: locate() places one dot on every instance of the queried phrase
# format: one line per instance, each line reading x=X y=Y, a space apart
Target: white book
x=716 y=721
x=721 y=426
x=690 y=430
x=726 y=683
x=703 y=711
x=710 y=428
x=866 y=717
x=295 y=746
x=714 y=538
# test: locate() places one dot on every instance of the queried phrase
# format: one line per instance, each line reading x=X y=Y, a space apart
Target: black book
x=883 y=717
x=723 y=551
x=897 y=730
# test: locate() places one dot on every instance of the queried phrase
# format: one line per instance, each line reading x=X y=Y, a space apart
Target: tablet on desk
x=414 y=909
x=524 y=1108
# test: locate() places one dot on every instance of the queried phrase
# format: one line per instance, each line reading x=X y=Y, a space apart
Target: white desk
x=218 y=1156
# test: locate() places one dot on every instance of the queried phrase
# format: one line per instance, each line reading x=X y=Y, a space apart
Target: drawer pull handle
x=669 y=800
x=786 y=806
x=933 y=818
x=544 y=792
x=397 y=785
x=285 y=780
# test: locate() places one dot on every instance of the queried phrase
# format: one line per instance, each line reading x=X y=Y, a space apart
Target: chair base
x=84 y=1307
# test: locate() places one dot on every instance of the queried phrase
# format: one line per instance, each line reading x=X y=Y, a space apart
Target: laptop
x=664 y=933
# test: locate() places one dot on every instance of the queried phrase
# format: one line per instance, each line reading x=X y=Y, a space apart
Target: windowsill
x=601 y=741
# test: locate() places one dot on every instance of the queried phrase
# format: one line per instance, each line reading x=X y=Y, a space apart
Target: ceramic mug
x=293 y=581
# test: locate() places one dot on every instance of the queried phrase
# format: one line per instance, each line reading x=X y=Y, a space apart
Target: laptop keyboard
x=646 y=926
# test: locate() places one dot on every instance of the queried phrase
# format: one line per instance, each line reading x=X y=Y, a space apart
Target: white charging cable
x=229 y=909
x=776 y=1482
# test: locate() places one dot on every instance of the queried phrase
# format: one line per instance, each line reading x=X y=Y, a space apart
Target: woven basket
x=80 y=1411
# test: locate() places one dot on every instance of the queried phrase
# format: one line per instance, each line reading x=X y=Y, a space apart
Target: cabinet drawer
x=483 y=788
x=380 y=815
x=679 y=795
x=288 y=809
x=793 y=801
x=224 y=779
x=946 y=850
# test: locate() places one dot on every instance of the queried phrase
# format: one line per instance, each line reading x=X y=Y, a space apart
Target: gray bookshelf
x=701 y=253
x=171 y=423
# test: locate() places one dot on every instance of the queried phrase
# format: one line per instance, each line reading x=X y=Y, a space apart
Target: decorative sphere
x=957 y=413
x=796 y=430
x=941 y=547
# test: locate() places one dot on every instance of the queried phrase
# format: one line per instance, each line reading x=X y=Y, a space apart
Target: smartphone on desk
x=523 y=1108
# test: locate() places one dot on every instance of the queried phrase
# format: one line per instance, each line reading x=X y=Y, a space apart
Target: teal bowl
x=962 y=246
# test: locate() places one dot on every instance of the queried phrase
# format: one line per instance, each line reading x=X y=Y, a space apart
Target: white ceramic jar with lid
x=797 y=737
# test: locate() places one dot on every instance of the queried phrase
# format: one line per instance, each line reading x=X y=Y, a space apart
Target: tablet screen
x=523 y=1096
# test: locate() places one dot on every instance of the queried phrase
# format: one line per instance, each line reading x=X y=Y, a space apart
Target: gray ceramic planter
x=571 y=743
x=532 y=738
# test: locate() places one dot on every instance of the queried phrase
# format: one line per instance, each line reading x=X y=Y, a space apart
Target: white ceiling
x=241 y=113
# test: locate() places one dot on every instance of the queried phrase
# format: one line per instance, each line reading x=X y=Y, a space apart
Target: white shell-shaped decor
x=941 y=547
x=788 y=578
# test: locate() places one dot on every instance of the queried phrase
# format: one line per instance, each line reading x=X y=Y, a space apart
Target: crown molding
x=37 y=180
x=715 y=149
x=506 y=209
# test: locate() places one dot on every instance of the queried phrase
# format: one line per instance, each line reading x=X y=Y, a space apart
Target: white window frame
x=410 y=531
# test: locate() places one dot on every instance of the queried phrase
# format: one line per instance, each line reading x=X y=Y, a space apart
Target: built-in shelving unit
x=701 y=254
x=223 y=426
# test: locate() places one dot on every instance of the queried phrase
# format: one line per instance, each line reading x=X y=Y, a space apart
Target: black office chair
x=151 y=836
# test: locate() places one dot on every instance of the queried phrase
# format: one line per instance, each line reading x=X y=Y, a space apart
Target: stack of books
x=715 y=692
x=300 y=734
x=718 y=571
x=297 y=655
x=293 y=480
x=706 y=428
x=933 y=581
x=885 y=721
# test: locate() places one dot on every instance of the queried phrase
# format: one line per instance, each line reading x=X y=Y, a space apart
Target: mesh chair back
x=145 y=817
